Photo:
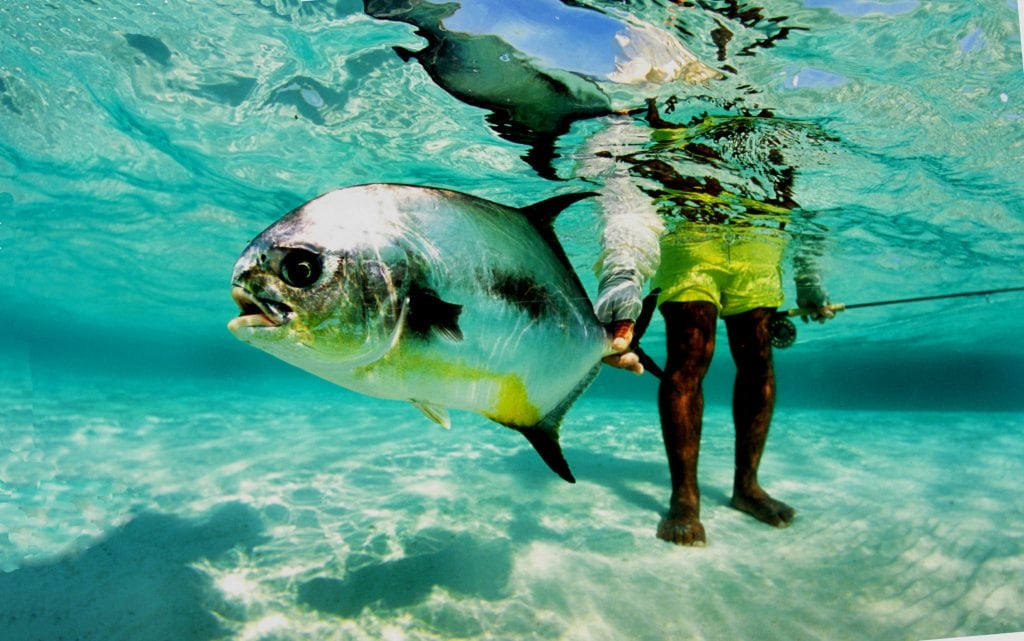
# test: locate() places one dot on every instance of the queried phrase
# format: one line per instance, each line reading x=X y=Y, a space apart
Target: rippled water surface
x=160 y=480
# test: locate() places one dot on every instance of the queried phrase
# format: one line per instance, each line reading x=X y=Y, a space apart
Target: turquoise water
x=160 y=480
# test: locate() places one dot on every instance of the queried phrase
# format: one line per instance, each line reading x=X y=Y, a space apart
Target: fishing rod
x=783 y=330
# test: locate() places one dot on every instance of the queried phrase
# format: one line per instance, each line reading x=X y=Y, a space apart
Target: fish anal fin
x=434 y=412
x=544 y=435
x=643 y=321
x=545 y=441
x=650 y=302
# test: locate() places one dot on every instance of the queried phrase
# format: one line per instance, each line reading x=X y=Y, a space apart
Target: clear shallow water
x=141 y=146
x=245 y=518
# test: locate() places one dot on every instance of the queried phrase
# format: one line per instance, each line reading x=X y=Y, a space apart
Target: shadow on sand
x=136 y=584
x=453 y=561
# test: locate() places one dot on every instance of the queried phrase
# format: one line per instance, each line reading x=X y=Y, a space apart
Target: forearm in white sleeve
x=630 y=243
x=630 y=225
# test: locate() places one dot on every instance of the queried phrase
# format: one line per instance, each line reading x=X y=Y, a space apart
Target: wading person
x=718 y=254
x=660 y=186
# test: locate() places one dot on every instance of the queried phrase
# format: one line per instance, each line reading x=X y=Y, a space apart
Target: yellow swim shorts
x=734 y=268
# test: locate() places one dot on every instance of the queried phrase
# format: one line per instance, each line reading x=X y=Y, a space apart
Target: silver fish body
x=431 y=296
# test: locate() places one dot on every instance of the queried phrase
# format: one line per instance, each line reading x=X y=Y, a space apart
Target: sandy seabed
x=198 y=514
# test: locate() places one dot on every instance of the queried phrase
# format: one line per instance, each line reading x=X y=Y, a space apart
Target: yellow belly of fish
x=509 y=404
x=513 y=406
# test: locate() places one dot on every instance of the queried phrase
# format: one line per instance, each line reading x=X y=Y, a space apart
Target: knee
x=690 y=357
x=751 y=353
x=755 y=365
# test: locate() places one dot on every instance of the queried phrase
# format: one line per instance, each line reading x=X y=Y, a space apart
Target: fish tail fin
x=544 y=435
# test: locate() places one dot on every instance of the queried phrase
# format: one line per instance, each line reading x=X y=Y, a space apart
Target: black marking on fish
x=522 y=293
x=427 y=313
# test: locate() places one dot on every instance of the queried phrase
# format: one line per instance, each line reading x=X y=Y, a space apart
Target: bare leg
x=690 y=333
x=753 y=402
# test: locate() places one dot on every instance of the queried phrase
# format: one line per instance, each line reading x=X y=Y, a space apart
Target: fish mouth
x=258 y=312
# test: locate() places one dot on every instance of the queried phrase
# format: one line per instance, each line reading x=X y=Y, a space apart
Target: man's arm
x=631 y=230
x=810 y=239
x=630 y=255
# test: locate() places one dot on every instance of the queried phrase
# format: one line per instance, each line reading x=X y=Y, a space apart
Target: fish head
x=322 y=285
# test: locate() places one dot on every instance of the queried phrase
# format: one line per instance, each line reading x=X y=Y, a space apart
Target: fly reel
x=782 y=330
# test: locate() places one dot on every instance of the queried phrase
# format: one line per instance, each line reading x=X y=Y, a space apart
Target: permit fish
x=430 y=296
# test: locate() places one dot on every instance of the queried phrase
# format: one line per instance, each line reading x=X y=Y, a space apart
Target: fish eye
x=301 y=268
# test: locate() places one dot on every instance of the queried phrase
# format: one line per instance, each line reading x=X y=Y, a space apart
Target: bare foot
x=764 y=508
x=682 y=527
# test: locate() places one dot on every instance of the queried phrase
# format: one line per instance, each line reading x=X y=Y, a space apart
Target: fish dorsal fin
x=427 y=313
x=434 y=412
x=405 y=54
x=543 y=215
x=544 y=435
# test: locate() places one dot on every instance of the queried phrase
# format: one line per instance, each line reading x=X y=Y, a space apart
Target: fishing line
x=1020 y=19
x=650 y=302
x=783 y=330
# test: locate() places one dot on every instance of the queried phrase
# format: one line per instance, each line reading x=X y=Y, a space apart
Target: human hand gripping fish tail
x=625 y=338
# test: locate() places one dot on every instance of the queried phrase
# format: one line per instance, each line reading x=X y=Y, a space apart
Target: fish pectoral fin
x=428 y=313
x=435 y=413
